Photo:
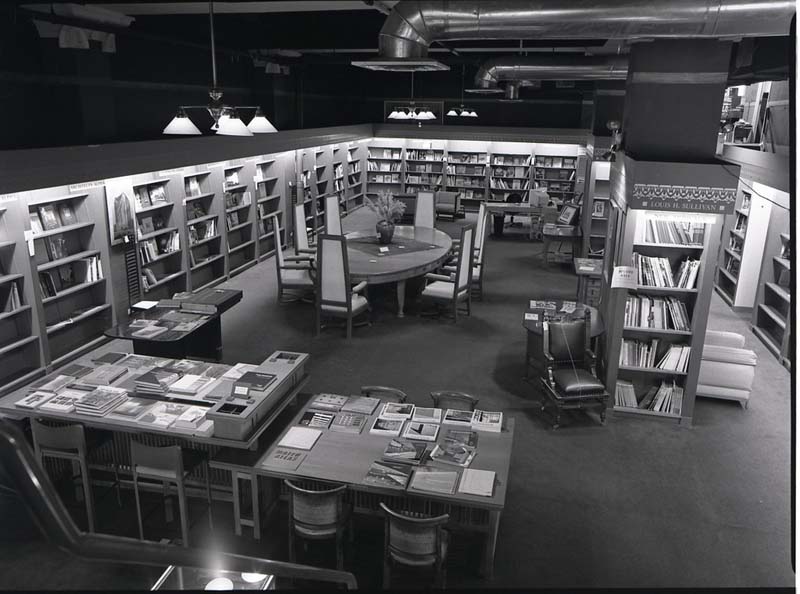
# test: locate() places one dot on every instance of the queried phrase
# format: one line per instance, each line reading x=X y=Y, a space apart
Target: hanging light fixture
x=461 y=110
x=410 y=111
x=226 y=120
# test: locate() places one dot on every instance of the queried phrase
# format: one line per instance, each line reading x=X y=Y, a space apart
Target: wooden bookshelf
x=269 y=201
x=385 y=167
x=509 y=173
x=557 y=175
x=466 y=172
x=424 y=165
x=202 y=212
x=239 y=218
x=323 y=185
x=596 y=209
x=354 y=179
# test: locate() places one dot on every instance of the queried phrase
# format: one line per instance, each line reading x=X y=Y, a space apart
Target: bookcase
x=268 y=181
x=509 y=172
x=424 y=166
x=556 y=174
x=323 y=169
x=72 y=296
x=337 y=180
x=158 y=242
x=385 y=166
x=239 y=214
x=20 y=347
x=354 y=182
x=466 y=172
x=596 y=209
x=202 y=212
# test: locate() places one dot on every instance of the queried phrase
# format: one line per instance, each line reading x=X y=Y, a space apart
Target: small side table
x=590 y=272
x=559 y=233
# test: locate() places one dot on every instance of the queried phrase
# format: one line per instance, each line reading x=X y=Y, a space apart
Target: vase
x=385 y=232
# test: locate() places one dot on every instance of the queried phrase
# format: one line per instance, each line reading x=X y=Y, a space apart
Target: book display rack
x=424 y=166
x=203 y=233
x=268 y=182
x=385 y=167
x=509 y=172
x=239 y=215
x=772 y=316
x=557 y=175
x=323 y=184
x=466 y=174
x=354 y=182
x=596 y=206
x=338 y=178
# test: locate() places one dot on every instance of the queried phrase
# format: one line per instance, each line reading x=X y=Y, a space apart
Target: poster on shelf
x=624 y=277
x=119 y=202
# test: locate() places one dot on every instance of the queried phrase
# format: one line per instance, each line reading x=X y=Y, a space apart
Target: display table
x=345 y=458
x=396 y=265
x=203 y=340
x=499 y=211
x=552 y=233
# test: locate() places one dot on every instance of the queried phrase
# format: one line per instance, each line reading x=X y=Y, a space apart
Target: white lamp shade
x=261 y=125
x=232 y=126
x=215 y=125
x=219 y=583
x=253 y=578
x=401 y=115
x=181 y=124
x=452 y=112
x=429 y=115
x=469 y=113
x=394 y=115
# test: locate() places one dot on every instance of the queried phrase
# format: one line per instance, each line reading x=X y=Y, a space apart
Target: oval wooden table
x=397 y=268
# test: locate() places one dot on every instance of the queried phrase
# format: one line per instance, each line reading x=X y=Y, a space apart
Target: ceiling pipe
x=547 y=67
x=414 y=25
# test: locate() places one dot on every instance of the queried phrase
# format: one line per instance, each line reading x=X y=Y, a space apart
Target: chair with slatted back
x=168 y=465
x=384 y=393
x=425 y=215
x=453 y=289
x=414 y=540
x=302 y=246
x=570 y=377
x=457 y=400
x=333 y=215
x=295 y=273
x=335 y=296
x=70 y=442
x=318 y=515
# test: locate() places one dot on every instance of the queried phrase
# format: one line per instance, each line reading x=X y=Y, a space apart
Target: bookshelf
x=385 y=167
x=20 y=346
x=742 y=250
x=337 y=179
x=72 y=297
x=239 y=214
x=268 y=183
x=466 y=174
x=557 y=175
x=509 y=173
x=354 y=180
x=424 y=165
x=206 y=260
x=323 y=169
x=596 y=209
x=658 y=319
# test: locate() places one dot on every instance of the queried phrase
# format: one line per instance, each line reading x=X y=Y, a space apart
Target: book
x=388 y=474
x=238 y=370
x=49 y=217
x=406 y=451
x=487 y=421
x=34 y=400
x=427 y=415
x=433 y=480
x=75 y=370
x=462 y=418
x=191 y=418
x=453 y=452
x=36 y=223
x=423 y=431
x=301 y=438
x=131 y=409
x=477 y=482
x=348 y=422
x=52 y=384
x=390 y=427
x=149 y=331
x=189 y=384
x=157 y=381
x=104 y=375
x=100 y=401
x=111 y=357
x=397 y=411
x=157 y=194
x=162 y=415
x=256 y=380
x=64 y=401
x=361 y=404
x=283 y=459
x=469 y=438
x=326 y=401
x=312 y=418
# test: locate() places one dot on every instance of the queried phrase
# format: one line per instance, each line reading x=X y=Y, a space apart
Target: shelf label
x=86 y=186
x=624 y=277
x=171 y=172
x=9 y=197
x=216 y=165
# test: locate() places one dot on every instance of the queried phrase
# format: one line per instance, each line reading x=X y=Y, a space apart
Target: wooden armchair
x=384 y=393
x=414 y=540
x=570 y=375
x=458 y=400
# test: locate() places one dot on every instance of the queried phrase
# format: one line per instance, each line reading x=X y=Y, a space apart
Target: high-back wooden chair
x=335 y=296
x=333 y=215
x=301 y=243
x=449 y=399
x=414 y=540
x=384 y=393
x=317 y=515
x=454 y=289
x=424 y=215
x=295 y=273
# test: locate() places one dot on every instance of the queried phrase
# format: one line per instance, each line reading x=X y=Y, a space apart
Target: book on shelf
x=477 y=482
x=67 y=214
x=487 y=421
x=666 y=398
x=624 y=395
x=361 y=404
x=191 y=186
x=158 y=194
x=427 y=415
x=406 y=451
x=676 y=358
x=462 y=418
x=390 y=427
x=349 y=422
x=421 y=431
x=141 y=196
x=36 y=223
x=674 y=232
x=12 y=300
x=232 y=177
x=314 y=418
x=660 y=313
x=397 y=411
x=434 y=480
x=393 y=475
x=300 y=438
x=283 y=459
x=49 y=217
x=325 y=401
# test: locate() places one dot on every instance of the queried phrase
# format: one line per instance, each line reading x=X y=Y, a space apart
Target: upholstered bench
x=727 y=370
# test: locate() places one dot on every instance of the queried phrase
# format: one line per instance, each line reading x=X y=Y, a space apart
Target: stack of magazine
x=101 y=401
x=157 y=381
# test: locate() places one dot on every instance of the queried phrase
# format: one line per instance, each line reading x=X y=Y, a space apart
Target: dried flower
x=386 y=206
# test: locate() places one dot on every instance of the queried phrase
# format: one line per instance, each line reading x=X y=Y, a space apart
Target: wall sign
x=119 y=199
x=171 y=172
x=624 y=277
x=82 y=187
x=683 y=198
x=9 y=197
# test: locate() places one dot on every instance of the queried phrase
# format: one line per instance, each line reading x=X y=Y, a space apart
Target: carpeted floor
x=633 y=504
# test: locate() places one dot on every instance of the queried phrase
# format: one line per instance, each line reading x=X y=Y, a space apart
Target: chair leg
x=184 y=513
x=291 y=542
x=117 y=482
x=208 y=497
x=339 y=551
x=349 y=327
x=387 y=573
x=319 y=323
x=87 y=494
x=138 y=506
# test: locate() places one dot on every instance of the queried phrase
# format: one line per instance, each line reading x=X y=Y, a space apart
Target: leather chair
x=448 y=204
x=454 y=289
x=335 y=296
x=295 y=273
x=570 y=377
x=424 y=215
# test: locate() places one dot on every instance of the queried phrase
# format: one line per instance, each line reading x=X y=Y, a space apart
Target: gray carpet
x=634 y=504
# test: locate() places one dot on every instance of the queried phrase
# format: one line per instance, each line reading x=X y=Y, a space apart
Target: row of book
x=233 y=219
x=150 y=249
x=662 y=313
x=149 y=195
x=562 y=175
x=564 y=162
x=424 y=155
x=419 y=168
x=641 y=353
x=85 y=270
x=667 y=398
x=49 y=217
x=234 y=199
x=393 y=178
x=655 y=271
x=464 y=181
x=384 y=153
x=674 y=232
x=424 y=179
x=232 y=177
x=12 y=301
x=353 y=167
x=464 y=170
x=202 y=230
x=338 y=170
x=523 y=160
x=191 y=186
x=382 y=166
x=509 y=184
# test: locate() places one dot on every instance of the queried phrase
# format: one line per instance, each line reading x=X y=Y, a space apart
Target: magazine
x=388 y=474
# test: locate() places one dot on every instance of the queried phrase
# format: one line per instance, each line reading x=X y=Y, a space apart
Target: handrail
x=39 y=496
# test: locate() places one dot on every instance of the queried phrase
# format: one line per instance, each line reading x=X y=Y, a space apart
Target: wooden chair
x=335 y=296
x=570 y=377
x=384 y=393
x=295 y=273
x=477 y=264
x=448 y=204
x=454 y=289
x=333 y=215
x=424 y=215
x=302 y=246
x=318 y=515
x=458 y=400
x=168 y=465
x=68 y=442
x=414 y=540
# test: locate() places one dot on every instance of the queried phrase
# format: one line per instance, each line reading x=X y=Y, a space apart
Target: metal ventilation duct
x=547 y=67
x=413 y=25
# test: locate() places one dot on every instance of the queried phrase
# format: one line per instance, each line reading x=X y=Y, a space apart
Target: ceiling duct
x=413 y=25
x=547 y=67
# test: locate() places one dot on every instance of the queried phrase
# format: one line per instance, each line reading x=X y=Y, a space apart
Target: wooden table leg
x=256 y=506
x=237 y=513
x=401 y=297
x=489 y=545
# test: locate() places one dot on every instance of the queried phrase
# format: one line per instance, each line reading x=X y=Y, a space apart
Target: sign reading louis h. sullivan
x=683 y=198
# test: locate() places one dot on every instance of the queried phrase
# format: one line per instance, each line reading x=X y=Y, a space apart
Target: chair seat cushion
x=726 y=354
x=359 y=304
x=296 y=277
x=421 y=560
x=442 y=290
x=577 y=382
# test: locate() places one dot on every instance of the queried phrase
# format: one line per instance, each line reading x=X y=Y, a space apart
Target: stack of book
x=487 y=421
x=667 y=398
x=157 y=382
x=191 y=418
x=676 y=358
x=189 y=384
x=663 y=313
x=624 y=395
x=406 y=451
x=101 y=401
x=64 y=401
x=687 y=274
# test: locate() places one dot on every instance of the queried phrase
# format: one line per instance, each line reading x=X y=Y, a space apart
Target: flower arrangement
x=386 y=206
